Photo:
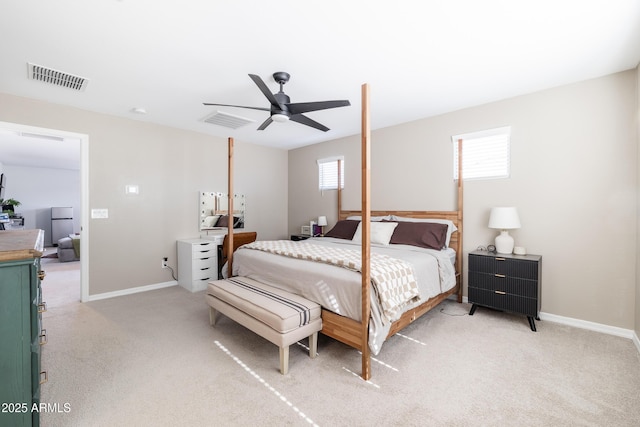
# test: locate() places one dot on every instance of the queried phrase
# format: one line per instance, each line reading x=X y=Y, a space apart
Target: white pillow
x=210 y=221
x=373 y=218
x=381 y=232
x=451 y=227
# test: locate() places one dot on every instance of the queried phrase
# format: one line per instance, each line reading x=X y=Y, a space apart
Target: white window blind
x=485 y=154
x=328 y=173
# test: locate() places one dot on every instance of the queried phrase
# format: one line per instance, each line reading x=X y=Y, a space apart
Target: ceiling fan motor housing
x=283 y=99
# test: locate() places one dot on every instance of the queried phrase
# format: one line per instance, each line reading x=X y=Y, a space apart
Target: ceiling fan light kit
x=280 y=117
x=282 y=110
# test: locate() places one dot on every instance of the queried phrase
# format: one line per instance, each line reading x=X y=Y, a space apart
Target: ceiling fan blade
x=239 y=106
x=266 y=123
x=305 y=107
x=307 y=121
x=265 y=90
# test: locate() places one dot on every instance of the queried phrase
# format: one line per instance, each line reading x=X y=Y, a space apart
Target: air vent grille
x=55 y=77
x=227 y=120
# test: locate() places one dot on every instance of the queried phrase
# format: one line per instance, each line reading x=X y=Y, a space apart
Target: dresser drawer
x=205 y=271
x=500 y=282
x=204 y=262
x=205 y=248
x=505 y=266
x=506 y=302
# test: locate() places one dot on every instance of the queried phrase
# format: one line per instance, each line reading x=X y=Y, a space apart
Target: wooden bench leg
x=284 y=360
x=313 y=345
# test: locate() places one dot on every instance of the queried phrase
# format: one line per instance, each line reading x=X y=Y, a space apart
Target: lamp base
x=504 y=243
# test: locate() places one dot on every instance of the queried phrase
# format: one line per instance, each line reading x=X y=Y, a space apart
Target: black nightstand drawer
x=506 y=302
x=504 y=266
x=503 y=283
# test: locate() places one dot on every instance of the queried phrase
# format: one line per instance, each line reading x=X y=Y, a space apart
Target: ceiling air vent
x=227 y=120
x=55 y=77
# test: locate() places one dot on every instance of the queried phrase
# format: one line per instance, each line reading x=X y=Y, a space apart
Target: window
x=485 y=154
x=328 y=173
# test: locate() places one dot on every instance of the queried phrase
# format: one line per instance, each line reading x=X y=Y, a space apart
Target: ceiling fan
x=282 y=110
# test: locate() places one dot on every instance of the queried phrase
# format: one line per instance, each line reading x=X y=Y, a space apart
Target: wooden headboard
x=453 y=216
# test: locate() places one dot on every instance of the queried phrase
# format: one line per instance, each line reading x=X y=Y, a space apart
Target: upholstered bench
x=278 y=316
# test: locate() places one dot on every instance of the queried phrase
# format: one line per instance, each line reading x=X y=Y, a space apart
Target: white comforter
x=339 y=289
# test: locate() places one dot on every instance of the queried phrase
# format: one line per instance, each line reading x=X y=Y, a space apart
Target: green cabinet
x=21 y=340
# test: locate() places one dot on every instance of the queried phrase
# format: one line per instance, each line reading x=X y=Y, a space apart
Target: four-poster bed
x=355 y=330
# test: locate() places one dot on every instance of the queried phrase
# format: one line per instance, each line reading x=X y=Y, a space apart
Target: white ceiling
x=421 y=58
x=38 y=150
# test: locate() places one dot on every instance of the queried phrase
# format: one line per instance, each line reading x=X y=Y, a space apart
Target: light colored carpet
x=62 y=281
x=151 y=359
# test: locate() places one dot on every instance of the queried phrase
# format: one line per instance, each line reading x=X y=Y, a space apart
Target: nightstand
x=506 y=282
x=296 y=237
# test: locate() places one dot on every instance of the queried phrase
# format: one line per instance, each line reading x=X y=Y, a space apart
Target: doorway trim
x=84 y=192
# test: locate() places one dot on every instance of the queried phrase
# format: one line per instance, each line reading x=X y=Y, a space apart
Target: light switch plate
x=99 y=213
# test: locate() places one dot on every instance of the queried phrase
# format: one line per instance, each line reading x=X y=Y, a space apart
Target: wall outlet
x=164 y=262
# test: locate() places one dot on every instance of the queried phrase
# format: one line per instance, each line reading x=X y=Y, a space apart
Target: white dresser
x=197 y=263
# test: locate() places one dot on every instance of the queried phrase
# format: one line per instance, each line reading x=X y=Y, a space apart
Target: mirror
x=213 y=209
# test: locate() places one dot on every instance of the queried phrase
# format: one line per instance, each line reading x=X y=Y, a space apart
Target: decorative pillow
x=210 y=221
x=224 y=221
x=428 y=235
x=451 y=227
x=344 y=229
x=380 y=232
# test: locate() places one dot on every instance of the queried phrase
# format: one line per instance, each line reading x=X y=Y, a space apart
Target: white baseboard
x=131 y=291
x=636 y=341
x=592 y=326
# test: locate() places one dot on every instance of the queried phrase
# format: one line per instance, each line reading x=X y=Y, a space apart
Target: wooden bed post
x=366 y=239
x=339 y=188
x=352 y=332
x=459 y=254
x=230 y=212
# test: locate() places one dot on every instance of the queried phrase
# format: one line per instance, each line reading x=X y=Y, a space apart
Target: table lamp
x=504 y=219
x=322 y=221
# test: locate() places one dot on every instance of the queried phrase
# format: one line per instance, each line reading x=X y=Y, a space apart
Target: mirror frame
x=212 y=203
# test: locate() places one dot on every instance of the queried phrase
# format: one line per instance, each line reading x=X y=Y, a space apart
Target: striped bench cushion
x=280 y=310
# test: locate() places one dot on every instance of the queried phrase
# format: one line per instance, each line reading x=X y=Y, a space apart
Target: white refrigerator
x=61 y=223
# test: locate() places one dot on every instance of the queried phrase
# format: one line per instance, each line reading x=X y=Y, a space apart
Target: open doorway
x=13 y=139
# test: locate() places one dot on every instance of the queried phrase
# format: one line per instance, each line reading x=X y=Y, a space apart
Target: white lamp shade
x=504 y=218
x=322 y=221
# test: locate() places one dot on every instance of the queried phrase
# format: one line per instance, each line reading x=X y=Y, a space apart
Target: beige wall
x=573 y=179
x=170 y=166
